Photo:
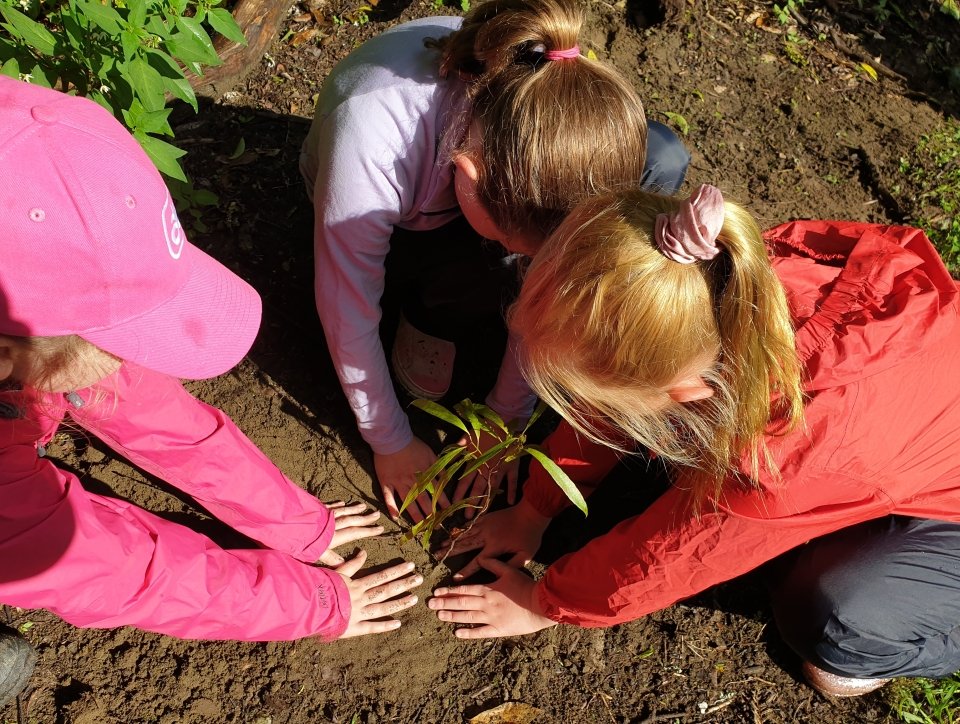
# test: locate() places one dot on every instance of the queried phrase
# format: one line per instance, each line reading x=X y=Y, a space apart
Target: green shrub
x=127 y=55
x=934 y=169
x=928 y=701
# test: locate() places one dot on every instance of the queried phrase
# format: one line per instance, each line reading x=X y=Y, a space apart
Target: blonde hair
x=553 y=132
x=609 y=323
x=51 y=357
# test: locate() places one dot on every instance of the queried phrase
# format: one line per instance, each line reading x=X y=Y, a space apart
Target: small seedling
x=458 y=461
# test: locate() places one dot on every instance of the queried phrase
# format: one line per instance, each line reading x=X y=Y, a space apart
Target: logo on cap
x=172 y=231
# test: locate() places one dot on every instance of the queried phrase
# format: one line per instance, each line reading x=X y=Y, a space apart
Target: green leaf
x=425 y=479
x=137 y=14
x=537 y=412
x=439 y=411
x=164 y=155
x=488 y=414
x=43 y=76
x=147 y=83
x=559 y=477
x=222 y=21
x=103 y=16
x=192 y=44
x=204 y=197
x=130 y=43
x=11 y=68
x=32 y=32
x=173 y=79
x=679 y=121
x=483 y=459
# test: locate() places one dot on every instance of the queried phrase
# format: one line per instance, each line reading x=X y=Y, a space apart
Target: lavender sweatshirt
x=376 y=158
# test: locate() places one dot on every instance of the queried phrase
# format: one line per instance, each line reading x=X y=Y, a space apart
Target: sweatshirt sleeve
x=151 y=420
x=101 y=562
x=586 y=462
x=667 y=553
x=356 y=203
x=511 y=397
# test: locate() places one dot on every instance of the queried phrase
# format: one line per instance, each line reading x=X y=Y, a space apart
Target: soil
x=785 y=118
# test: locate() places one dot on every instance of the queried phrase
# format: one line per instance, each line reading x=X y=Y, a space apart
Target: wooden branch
x=260 y=21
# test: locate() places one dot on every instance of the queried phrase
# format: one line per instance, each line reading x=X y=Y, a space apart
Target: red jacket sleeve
x=586 y=462
x=667 y=553
x=151 y=420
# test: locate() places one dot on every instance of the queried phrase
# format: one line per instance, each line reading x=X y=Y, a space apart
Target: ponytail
x=609 y=322
x=555 y=127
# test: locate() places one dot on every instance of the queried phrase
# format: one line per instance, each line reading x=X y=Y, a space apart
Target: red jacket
x=876 y=315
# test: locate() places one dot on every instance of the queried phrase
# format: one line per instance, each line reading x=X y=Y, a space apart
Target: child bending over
x=429 y=139
x=802 y=386
x=103 y=304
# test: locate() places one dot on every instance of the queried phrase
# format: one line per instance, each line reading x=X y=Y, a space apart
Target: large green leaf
x=173 y=80
x=147 y=83
x=192 y=44
x=11 y=68
x=138 y=13
x=559 y=477
x=103 y=16
x=164 y=155
x=30 y=31
x=439 y=411
x=222 y=21
x=485 y=458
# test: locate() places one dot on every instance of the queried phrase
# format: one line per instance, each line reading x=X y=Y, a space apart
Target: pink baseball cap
x=91 y=244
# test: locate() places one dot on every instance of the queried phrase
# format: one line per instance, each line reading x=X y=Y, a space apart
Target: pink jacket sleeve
x=151 y=420
x=102 y=562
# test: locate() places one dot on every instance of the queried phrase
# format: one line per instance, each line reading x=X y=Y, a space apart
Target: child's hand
x=506 y=607
x=350 y=523
x=375 y=595
x=479 y=482
x=515 y=531
x=397 y=474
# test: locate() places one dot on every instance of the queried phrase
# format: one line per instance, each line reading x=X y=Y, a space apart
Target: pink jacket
x=878 y=332
x=102 y=562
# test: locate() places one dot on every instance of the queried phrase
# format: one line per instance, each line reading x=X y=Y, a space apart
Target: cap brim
x=203 y=331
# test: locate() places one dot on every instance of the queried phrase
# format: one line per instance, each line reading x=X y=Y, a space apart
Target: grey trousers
x=875 y=600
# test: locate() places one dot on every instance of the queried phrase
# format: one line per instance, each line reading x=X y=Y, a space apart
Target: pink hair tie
x=690 y=234
x=563 y=54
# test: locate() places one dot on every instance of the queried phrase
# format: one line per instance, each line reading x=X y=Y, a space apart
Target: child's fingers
x=350 y=566
x=335 y=504
x=392 y=589
x=456 y=603
x=468 y=570
x=357 y=533
x=341 y=510
x=471 y=590
x=387 y=608
x=474 y=616
x=379 y=578
x=389 y=499
x=357 y=521
x=479 y=632
x=330 y=558
x=362 y=628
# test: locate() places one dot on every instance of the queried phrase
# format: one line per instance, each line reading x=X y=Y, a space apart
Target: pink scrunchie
x=563 y=54
x=690 y=234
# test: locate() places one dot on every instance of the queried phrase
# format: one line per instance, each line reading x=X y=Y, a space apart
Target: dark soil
x=785 y=119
